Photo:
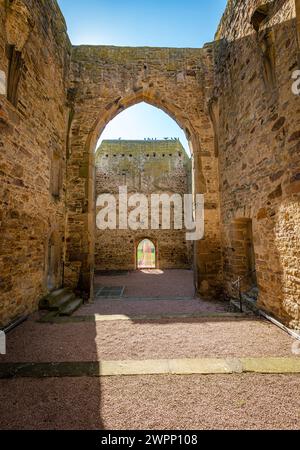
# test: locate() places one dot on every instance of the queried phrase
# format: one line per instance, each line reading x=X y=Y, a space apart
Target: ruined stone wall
x=259 y=147
x=145 y=167
x=106 y=80
x=233 y=99
x=35 y=51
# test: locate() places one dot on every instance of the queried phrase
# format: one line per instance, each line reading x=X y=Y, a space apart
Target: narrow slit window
x=15 y=68
x=56 y=175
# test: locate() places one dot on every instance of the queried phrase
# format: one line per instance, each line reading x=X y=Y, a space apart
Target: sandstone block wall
x=145 y=167
x=31 y=130
x=259 y=152
x=233 y=99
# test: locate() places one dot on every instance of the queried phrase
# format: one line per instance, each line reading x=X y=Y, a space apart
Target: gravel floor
x=248 y=401
x=170 y=283
x=90 y=341
x=138 y=307
x=190 y=402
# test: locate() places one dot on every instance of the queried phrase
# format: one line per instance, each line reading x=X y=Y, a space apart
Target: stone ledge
x=202 y=366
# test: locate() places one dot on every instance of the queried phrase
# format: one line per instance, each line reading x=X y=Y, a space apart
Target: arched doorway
x=154 y=166
x=180 y=96
x=146 y=255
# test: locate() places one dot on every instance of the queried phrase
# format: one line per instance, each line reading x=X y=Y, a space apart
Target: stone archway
x=148 y=257
x=106 y=81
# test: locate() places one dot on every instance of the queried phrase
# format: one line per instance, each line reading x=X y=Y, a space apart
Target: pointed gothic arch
x=96 y=99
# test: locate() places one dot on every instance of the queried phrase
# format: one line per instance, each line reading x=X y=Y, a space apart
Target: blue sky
x=155 y=23
x=161 y=23
x=143 y=121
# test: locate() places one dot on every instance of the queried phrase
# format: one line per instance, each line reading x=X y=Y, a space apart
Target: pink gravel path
x=166 y=286
x=191 y=402
x=117 y=340
x=152 y=307
x=170 y=283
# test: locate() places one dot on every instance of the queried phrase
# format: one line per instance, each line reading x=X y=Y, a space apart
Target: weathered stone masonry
x=35 y=46
x=234 y=100
x=259 y=154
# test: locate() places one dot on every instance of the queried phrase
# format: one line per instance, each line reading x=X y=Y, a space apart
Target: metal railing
x=237 y=284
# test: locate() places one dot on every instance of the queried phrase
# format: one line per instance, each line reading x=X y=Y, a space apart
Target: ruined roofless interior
x=233 y=98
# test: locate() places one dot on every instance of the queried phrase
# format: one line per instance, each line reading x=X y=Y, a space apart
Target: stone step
x=147 y=299
x=72 y=306
x=52 y=297
x=250 y=302
x=58 y=292
x=61 y=301
x=49 y=317
x=253 y=293
x=235 y=306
